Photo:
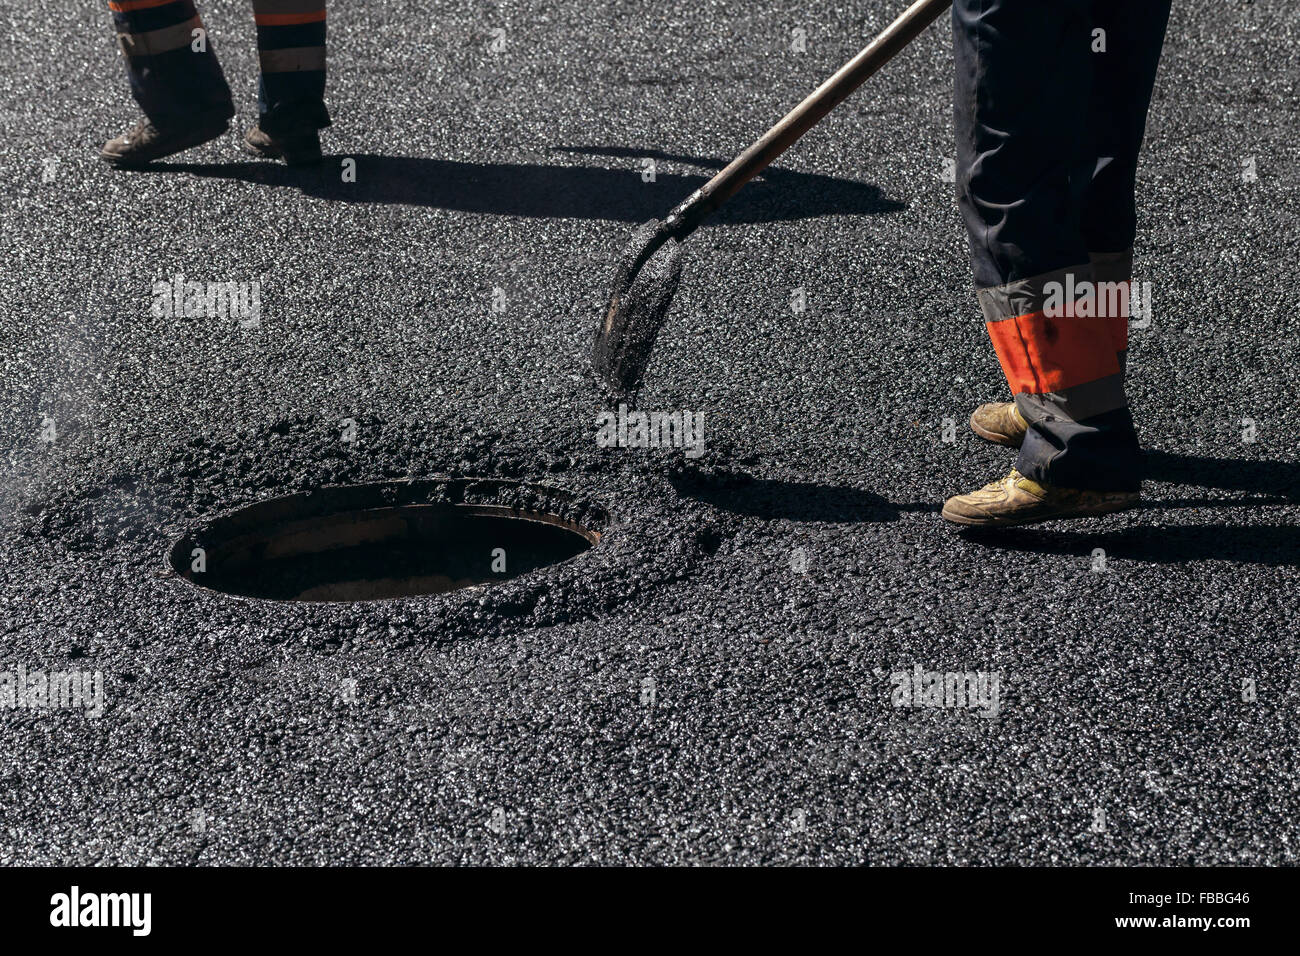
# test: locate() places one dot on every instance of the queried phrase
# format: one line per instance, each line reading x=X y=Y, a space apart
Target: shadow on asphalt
x=1275 y=481
x=792 y=500
x=1269 y=483
x=553 y=192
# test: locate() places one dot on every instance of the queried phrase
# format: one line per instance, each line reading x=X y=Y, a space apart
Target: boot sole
x=1006 y=441
x=967 y=522
x=197 y=138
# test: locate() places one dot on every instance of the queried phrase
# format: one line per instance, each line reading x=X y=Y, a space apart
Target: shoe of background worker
x=300 y=149
x=1016 y=500
x=1000 y=423
x=145 y=142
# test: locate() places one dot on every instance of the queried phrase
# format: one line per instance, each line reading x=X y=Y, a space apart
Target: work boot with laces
x=1016 y=500
x=145 y=142
x=299 y=149
x=1000 y=423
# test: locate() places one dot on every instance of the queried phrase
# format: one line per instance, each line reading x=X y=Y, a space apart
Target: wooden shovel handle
x=805 y=116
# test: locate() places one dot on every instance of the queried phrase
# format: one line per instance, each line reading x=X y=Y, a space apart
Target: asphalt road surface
x=715 y=682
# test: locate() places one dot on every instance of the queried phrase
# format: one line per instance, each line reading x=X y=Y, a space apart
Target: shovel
x=650 y=268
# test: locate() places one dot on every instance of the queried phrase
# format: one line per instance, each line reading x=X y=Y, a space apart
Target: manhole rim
x=178 y=555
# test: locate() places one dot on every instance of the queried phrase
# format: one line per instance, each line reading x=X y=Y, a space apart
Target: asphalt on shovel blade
x=637 y=309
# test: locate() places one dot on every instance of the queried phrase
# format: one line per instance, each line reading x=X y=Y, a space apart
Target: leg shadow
x=1268 y=483
x=775 y=499
x=550 y=192
x=1273 y=481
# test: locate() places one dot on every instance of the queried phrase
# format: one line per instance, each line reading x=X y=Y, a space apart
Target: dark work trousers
x=1051 y=99
x=174 y=72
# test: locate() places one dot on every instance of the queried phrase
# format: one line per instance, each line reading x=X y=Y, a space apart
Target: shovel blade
x=645 y=281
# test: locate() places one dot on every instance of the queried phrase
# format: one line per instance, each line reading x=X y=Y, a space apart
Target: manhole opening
x=378 y=542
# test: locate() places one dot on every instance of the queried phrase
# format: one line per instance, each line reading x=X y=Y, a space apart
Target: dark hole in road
x=372 y=542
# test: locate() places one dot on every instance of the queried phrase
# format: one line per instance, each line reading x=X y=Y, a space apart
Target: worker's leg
x=170 y=61
x=291 y=48
x=1025 y=158
x=175 y=77
x=1123 y=78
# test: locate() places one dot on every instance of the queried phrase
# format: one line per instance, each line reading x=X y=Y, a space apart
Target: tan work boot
x=1000 y=423
x=301 y=149
x=144 y=142
x=1016 y=499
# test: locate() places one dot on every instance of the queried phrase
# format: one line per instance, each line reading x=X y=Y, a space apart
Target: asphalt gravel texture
x=713 y=683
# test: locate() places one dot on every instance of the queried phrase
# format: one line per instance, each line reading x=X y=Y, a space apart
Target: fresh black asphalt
x=712 y=684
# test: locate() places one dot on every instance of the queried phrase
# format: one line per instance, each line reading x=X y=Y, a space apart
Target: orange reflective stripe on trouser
x=130 y=6
x=1053 y=347
x=1041 y=353
x=287 y=19
x=290 y=35
x=287 y=13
